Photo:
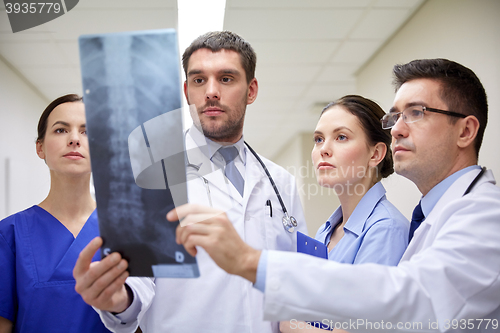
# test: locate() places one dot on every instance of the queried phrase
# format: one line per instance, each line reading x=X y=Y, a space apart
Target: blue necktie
x=416 y=219
x=231 y=172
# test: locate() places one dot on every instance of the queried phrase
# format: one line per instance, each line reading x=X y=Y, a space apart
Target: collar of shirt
x=211 y=147
x=356 y=221
x=430 y=199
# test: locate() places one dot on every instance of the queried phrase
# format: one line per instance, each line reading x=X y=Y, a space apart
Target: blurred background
x=309 y=53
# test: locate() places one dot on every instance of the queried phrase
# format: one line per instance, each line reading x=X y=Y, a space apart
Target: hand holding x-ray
x=211 y=229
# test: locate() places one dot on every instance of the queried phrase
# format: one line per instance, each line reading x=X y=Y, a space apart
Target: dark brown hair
x=369 y=113
x=461 y=89
x=42 y=123
x=227 y=40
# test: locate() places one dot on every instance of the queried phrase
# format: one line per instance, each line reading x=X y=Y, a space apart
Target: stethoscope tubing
x=471 y=186
x=270 y=178
x=287 y=219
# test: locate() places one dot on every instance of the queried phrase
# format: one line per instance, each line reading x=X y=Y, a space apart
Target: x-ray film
x=132 y=99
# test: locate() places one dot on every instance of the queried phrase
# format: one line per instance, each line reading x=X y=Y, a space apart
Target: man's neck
x=432 y=183
x=428 y=182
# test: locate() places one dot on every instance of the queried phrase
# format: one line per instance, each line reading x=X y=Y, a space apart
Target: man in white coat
x=449 y=277
x=220 y=84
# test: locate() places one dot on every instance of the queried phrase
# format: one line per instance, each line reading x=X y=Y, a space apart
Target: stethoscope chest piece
x=289 y=223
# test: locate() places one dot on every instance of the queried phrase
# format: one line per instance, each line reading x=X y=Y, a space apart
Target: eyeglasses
x=413 y=114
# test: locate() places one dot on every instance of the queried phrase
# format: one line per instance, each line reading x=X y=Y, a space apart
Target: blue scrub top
x=37 y=288
x=376 y=231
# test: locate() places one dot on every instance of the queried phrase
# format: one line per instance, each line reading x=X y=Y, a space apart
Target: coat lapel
x=421 y=239
x=254 y=174
x=197 y=154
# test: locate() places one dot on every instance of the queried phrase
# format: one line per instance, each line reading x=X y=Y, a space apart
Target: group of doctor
x=447 y=280
x=450 y=270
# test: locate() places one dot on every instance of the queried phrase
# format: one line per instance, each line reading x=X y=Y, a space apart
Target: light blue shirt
x=376 y=232
x=427 y=202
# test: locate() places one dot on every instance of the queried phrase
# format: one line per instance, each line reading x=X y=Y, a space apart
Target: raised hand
x=102 y=283
x=211 y=229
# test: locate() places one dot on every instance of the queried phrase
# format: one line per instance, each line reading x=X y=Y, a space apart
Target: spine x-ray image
x=132 y=99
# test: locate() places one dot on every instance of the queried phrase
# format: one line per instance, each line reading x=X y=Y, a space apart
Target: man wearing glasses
x=449 y=277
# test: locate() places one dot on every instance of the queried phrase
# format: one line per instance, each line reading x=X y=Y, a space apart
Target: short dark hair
x=227 y=40
x=42 y=122
x=461 y=89
x=369 y=113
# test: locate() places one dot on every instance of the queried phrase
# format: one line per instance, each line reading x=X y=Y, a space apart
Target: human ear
x=468 y=128
x=185 y=92
x=39 y=150
x=377 y=154
x=253 y=89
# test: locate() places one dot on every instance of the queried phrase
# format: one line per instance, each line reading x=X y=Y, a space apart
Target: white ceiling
x=308 y=51
x=47 y=55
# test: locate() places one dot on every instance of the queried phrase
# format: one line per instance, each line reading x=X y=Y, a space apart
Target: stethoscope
x=289 y=222
x=471 y=186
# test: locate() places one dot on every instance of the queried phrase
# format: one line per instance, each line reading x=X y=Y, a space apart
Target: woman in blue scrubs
x=39 y=246
x=351 y=155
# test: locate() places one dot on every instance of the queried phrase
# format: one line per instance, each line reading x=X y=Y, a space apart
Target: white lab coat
x=451 y=270
x=218 y=302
